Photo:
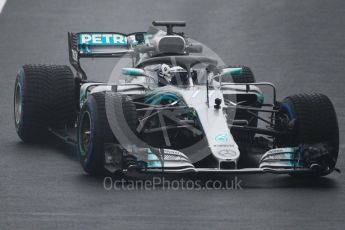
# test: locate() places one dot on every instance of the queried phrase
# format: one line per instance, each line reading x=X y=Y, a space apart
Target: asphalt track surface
x=297 y=45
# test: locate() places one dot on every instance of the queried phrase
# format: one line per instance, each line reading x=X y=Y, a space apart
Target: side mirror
x=231 y=71
x=226 y=71
x=133 y=72
x=137 y=72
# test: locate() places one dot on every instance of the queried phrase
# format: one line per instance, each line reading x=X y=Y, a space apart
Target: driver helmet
x=175 y=75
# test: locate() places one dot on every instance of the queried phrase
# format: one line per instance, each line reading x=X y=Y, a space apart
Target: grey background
x=297 y=45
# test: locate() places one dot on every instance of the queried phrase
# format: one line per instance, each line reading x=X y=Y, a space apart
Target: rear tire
x=315 y=122
x=44 y=97
x=246 y=76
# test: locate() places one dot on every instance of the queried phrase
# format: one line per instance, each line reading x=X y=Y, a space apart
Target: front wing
x=153 y=160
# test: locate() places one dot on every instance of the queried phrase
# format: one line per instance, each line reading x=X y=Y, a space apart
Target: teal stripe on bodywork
x=152 y=160
x=260 y=98
x=155 y=99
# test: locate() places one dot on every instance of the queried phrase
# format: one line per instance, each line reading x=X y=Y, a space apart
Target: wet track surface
x=297 y=45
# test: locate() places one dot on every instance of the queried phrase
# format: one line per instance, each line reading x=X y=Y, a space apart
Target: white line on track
x=2 y=3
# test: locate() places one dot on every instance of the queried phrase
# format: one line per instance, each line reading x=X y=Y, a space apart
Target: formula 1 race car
x=172 y=109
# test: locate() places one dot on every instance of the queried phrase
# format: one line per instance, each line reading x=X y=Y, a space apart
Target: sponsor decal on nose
x=222 y=137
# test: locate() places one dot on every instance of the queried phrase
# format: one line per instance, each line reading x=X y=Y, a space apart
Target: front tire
x=94 y=130
x=314 y=121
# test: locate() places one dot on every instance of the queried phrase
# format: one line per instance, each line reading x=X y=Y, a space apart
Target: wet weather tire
x=94 y=128
x=246 y=75
x=315 y=122
x=44 y=97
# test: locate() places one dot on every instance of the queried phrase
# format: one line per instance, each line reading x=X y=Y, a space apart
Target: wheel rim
x=17 y=103
x=85 y=133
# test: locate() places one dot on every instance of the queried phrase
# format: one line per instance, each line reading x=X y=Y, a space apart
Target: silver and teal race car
x=172 y=106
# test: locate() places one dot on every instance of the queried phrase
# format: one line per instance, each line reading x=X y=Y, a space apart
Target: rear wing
x=101 y=45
